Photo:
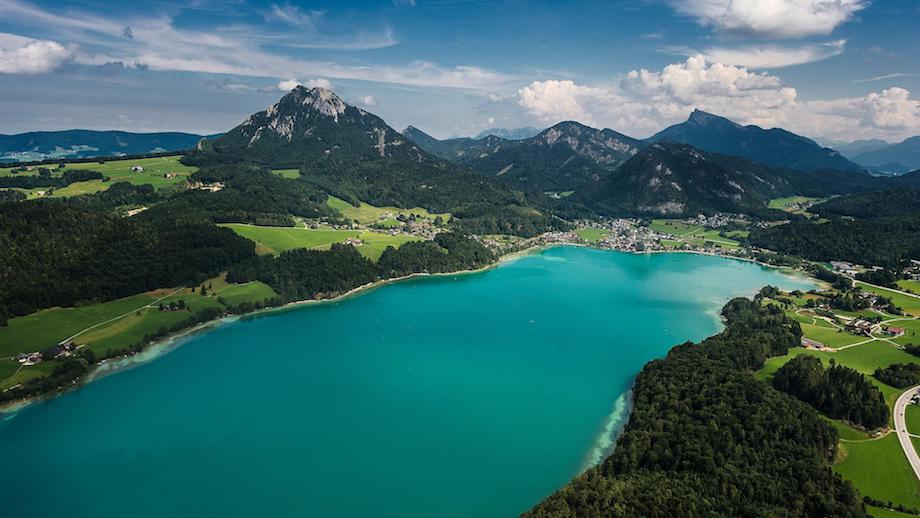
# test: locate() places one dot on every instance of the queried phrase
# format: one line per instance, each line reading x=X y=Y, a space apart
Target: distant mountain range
x=774 y=147
x=905 y=154
x=354 y=154
x=673 y=179
x=560 y=158
x=509 y=134
x=45 y=145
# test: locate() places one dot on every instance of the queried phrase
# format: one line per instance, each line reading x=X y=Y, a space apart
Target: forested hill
x=705 y=438
x=674 y=179
x=774 y=147
x=461 y=150
x=873 y=228
x=561 y=158
x=350 y=153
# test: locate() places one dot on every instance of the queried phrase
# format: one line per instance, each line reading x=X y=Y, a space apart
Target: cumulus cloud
x=892 y=109
x=771 y=18
x=553 y=101
x=290 y=84
x=26 y=56
x=645 y=101
x=368 y=100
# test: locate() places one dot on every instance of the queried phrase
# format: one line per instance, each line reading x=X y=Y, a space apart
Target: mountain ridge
x=774 y=147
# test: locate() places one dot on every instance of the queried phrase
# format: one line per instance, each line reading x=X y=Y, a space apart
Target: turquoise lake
x=458 y=396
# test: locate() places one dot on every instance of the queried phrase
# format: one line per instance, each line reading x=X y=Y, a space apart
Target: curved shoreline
x=169 y=343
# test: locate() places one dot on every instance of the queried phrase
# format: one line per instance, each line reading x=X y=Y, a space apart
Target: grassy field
x=878 y=512
x=591 y=235
x=291 y=174
x=121 y=322
x=694 y=234
x=878 y=468
x=368 y=214
x=154 y=173
x=913 y=419
x=274 y=240
x=674 y=227
x=786 y=204
x=910 y=305
x=909 y=285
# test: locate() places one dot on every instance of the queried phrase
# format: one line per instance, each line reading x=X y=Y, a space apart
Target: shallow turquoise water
x=461 y=396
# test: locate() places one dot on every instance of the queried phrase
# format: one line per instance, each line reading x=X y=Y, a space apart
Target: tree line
x=705 y=438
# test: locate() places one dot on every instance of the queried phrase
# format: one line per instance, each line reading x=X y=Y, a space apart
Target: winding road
x=900 y=426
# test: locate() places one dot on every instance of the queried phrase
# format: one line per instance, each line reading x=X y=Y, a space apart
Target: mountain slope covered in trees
x=773 y=147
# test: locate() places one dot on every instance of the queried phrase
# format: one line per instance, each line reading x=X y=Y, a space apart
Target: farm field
x=290 y=174
x=910 y=305
x=591 y=235
x=674 y=227
x=132 y=318
x=909 y=285
x=274 y=240
x=786 y=204
x=693 y=234
x=367 y=214
x=879 y=469
x=154 y=173
x=913 y=419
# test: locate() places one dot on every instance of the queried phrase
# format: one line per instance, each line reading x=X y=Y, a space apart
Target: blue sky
x=830 y=69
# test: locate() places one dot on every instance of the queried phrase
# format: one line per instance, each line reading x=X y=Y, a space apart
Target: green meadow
x=155 y=170
x=910 y=305
x=274 y=240
x=110 y=325
x=879 y=469
x=785 y=204
x=591 y=235
x=290 y=174
x=694 y=234
x=367 y=214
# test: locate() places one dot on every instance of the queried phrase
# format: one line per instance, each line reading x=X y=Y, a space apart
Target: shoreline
x=169 y=343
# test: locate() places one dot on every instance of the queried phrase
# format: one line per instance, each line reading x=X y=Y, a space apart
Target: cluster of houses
x=60 y=350
x=912 y=270
x=201 y=186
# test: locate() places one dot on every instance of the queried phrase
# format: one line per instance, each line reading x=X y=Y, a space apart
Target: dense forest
x=59 y=254
x=885 y=241
x=899 y=375
x=706 y=438
x=309 y=274
x=839 y=392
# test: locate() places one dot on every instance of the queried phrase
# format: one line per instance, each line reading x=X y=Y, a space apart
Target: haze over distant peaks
x=509 y=134
x=44 y=145
x=774 y=147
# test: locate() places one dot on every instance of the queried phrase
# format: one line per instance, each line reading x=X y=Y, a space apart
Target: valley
x=314 y=199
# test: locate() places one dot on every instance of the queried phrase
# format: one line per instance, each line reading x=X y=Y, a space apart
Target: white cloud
x=159 y=44
x=368 y=100
x=884 y=77
x=26 y=56
x=289 y=84
x=891 y=110
x=771 y=18
x=774 y=56
x=645 y=101
x=554 y=101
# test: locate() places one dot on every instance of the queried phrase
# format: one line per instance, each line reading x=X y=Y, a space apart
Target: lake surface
x=463 y=396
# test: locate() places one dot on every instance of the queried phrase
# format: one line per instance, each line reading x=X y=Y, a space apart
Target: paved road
x=900 y=426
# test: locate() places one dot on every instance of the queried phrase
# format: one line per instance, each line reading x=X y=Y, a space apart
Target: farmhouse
x=894 y=331
x=137 y=169
x=860 y=327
